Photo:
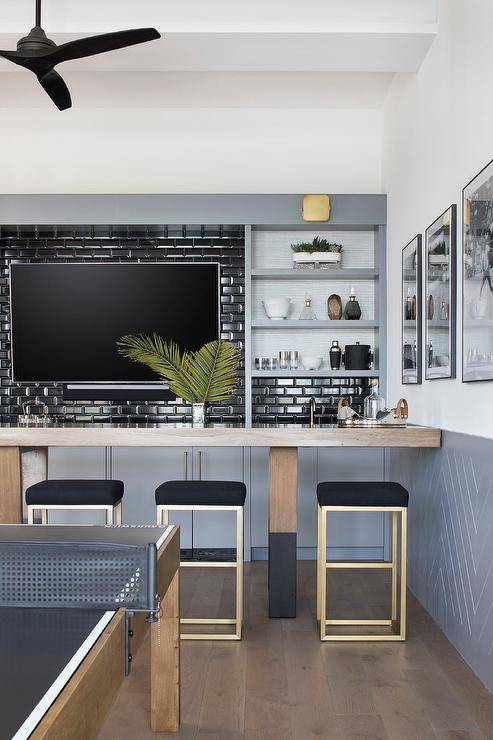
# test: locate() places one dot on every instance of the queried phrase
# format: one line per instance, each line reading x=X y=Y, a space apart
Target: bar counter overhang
x=23 y=461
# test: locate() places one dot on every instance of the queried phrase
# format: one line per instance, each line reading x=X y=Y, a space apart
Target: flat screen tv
x=67 y=318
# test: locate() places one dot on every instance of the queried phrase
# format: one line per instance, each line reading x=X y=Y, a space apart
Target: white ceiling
x=228 y=53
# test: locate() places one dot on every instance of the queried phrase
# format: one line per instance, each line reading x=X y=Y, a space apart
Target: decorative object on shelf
x=440 y=288
x=277 y=308
x=357 y=356
x=411 y=312
x=208 y=375
x=319 y=253
x=334 y=307
x=352 y=311
x=307 y=312
x=311 y=363
x=374 y=403
x=40 y=55
x=477 y=277
x=444 y=313
x=335 y=355
x=316 y=208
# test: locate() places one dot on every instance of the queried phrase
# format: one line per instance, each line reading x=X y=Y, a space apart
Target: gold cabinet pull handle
x=185 y=465
x=200 y=464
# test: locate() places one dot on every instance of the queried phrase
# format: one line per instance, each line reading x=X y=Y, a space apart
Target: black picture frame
x=440 y=258
x=411 y=312
x=477 y=273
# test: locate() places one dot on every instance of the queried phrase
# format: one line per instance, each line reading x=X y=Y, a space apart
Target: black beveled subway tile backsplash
x=286 y=400
x=153 y=243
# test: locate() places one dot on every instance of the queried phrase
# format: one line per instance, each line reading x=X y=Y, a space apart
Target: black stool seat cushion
x=201 y=492
x=75 y=492
x=362 y=493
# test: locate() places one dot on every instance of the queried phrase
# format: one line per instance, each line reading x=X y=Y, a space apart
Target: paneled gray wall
x=451 y=540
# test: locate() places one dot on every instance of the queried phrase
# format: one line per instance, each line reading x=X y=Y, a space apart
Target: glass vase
x=198 y=414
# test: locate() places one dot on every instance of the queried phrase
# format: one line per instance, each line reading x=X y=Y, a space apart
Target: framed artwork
x=440 y=290
x=477 y=277
x=411 y=312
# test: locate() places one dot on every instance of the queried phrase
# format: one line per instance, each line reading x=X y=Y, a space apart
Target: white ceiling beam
x=192 y=90
x=244 y=52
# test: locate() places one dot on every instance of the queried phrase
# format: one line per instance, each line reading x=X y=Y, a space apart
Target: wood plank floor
x=281 y=682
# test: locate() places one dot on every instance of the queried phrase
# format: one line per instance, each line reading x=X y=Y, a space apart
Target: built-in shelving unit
x=358 y=223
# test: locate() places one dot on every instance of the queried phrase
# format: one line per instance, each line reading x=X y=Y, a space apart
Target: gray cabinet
x=352 y=535
x=142 y=469
x=76 y=462
x=214 y=529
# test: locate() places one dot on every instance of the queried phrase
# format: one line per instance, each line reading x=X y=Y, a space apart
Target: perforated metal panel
x=78 y=575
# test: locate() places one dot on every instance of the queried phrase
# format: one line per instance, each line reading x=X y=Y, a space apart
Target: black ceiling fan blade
x=13 y=56
x=102 y=43
x=56 y=88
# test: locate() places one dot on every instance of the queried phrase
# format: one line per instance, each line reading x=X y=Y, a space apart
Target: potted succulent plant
x=319 y=253
x=208 y=375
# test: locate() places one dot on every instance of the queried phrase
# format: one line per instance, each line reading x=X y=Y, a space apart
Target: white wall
x=437 y=136
x=189 y=151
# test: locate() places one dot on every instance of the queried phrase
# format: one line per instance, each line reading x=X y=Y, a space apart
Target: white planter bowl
x=311 y=363
x=277 y=308
x=329 y=259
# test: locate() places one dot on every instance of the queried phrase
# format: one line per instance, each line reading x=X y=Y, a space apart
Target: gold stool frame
x=113 y=513
x=399 y=606
x=237 y=621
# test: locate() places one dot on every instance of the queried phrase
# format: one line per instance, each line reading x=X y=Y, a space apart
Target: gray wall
x=451 y=540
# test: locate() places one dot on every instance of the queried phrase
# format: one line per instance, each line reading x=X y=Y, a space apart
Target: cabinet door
x=352 y=531
x=72 y=463
x=142 y=469
x=217 y=529
x=307 y=500
x=259 y=499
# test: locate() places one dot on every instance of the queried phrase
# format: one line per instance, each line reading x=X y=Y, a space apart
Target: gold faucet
x=313 y=408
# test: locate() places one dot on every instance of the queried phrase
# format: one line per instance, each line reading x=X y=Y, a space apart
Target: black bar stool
x=207 y=495
x=364 y=496
x=99 y=495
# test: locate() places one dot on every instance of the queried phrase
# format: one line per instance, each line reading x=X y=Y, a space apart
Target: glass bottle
x=374 y=403
x=307 y=312
x=353 y=309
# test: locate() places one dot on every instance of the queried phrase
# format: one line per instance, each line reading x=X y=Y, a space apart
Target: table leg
x=34 y=468
x=10 y=486
x=165 y=646
x=283 y=494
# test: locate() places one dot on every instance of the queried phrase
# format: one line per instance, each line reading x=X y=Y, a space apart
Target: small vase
x=198 y=414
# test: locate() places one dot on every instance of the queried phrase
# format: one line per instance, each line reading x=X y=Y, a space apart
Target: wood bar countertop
x=183 y=435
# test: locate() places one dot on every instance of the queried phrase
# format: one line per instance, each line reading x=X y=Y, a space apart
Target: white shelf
x=341 y=273
x=319 y=324
x=320 y=373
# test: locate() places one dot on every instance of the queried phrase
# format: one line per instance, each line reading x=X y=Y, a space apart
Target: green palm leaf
x=205 y=376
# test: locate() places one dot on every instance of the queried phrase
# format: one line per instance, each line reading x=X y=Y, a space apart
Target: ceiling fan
x=40 y=54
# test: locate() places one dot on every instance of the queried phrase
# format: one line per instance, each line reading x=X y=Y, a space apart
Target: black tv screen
x=67 y=318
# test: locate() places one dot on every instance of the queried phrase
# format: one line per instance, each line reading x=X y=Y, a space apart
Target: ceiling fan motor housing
x=36 y=42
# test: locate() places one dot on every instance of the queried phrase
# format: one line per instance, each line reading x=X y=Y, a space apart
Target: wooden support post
x=283 y=496
x=10 y=486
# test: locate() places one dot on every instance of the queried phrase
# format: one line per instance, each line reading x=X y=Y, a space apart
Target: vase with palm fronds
x=207 y=375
